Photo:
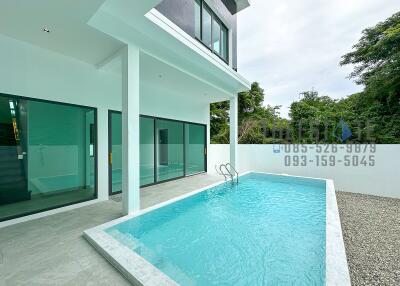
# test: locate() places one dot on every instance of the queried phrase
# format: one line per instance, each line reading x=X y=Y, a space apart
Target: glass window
x=216 y=38
x=206 y=35
x=47 y=155
x=116 y=152
x=195 y=148
x=146 y=151
x=197 y=18
x=210 y=30
x=224 y=43
x=169 y=136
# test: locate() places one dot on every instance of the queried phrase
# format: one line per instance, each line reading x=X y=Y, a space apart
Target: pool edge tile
x=132 y=266
x=337 y=271
x=127 y=261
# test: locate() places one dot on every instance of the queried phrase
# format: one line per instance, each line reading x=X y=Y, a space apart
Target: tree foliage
x=372 y=115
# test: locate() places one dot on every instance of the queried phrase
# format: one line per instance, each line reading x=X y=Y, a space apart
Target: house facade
x=103 y=96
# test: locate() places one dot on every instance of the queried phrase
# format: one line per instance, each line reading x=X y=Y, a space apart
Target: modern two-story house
x=103 y=96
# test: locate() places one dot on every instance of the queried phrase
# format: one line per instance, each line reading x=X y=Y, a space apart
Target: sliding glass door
x=195 y=148
x=169 y=150
x=147 y=168
x=47 y=155
x=115 y=151
x=13 y=153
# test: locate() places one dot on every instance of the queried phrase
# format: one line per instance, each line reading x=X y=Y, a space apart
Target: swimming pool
x=267 y=230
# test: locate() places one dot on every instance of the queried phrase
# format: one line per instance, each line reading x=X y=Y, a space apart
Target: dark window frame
x=214 y=17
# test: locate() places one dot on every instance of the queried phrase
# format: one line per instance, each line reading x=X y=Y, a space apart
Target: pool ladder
x=224 y=171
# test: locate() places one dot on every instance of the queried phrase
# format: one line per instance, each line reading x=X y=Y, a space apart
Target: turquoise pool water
x=268 y=230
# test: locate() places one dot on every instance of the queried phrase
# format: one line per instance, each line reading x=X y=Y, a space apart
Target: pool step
x=148 y=254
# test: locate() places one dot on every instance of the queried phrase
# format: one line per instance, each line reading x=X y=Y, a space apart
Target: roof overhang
x=137 y=23
x=235 y=6
x=242 y=4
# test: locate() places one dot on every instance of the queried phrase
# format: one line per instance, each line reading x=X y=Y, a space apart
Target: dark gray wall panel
x=181 y=12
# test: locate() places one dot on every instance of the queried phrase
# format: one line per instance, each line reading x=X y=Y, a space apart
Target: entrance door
x=115 y=152
x=13 y=151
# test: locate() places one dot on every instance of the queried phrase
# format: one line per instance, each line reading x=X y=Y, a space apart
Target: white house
x=107 y=95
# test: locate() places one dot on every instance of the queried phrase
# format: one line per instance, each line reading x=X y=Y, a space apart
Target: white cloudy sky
x=290 y=46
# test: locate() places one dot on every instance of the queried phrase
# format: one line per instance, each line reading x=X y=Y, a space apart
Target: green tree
x=251 y=103
x=219 y=118
x=376 y=58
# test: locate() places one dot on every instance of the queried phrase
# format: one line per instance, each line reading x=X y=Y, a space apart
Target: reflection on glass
x=216 y=36
x=146 y=151
x=195 y=136
x=206 y=27
x=45 y=156
x=224 y=42
x=116 y=152
x=169 y=135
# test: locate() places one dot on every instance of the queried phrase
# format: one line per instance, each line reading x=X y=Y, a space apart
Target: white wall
x=383 y=179
x=29 y=71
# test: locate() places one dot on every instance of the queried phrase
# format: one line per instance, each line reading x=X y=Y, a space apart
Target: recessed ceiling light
x=46 y=30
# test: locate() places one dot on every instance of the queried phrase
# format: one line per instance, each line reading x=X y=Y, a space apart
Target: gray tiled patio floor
x=51 y=250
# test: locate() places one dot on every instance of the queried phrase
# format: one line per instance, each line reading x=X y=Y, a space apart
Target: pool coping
x=140 y=272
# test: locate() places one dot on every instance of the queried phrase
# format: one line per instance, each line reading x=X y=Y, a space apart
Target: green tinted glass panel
x=47 y=155
x=169 y=135
x=116 y=152
x=146 y=151
x=195 y=136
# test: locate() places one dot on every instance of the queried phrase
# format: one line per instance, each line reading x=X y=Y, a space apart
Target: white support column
x=130 y=131
x=233 y=124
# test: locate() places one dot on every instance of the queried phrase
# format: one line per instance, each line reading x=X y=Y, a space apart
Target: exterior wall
x=162 y=105
x=381 y=180
x=181 y=12
x=30 y=71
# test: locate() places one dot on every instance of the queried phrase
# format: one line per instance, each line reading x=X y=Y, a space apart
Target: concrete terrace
x=52 y=251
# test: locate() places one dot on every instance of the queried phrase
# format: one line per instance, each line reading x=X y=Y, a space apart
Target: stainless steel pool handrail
x=223 y=173
x=232 y=168
x=228 y=173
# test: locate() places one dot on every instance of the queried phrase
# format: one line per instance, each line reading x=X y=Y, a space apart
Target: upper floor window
x=210 y=30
